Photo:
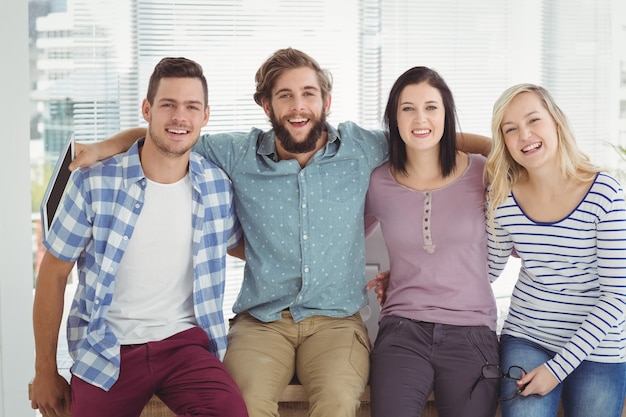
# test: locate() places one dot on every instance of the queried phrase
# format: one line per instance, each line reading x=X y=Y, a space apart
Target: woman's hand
x=380 y=284
x=539 y=381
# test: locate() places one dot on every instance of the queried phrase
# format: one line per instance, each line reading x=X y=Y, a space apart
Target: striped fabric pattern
x=570 y=296
x=93 y=228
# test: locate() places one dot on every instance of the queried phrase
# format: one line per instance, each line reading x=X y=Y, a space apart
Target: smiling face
x=529 y=131
x=297 y=111
x=176 y=115
x=421 y=116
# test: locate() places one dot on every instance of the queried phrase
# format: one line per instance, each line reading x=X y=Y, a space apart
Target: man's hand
x=97 y=151
x=473 y=143
x=238 y=251
x=539 y=381
x=86 y=154
x=380 y=284
x=51 y=395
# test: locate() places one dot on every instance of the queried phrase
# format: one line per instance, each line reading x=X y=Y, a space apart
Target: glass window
x=91 y=60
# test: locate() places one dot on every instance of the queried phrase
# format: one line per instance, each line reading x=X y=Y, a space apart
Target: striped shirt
x=93 y=228
x=570 y=296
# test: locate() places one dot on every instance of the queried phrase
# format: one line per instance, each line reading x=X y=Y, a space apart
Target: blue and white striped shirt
x=93 y=228
x=571 y=293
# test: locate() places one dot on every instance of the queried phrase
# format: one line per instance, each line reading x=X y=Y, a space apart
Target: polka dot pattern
x=303 y=227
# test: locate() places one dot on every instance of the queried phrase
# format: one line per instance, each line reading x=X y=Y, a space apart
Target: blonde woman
x=566 y=220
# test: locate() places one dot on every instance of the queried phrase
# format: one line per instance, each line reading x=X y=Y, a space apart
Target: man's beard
x=289 y=143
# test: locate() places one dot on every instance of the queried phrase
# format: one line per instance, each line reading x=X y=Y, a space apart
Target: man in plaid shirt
x=148 y=230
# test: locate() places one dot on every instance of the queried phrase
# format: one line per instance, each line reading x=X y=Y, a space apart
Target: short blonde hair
x=501 y=169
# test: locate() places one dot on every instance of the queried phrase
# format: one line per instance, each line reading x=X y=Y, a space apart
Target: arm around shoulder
x=88 y=154
x=473 y=143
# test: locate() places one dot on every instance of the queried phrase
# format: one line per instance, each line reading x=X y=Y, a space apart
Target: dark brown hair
x=176 y=68
x=397 y=148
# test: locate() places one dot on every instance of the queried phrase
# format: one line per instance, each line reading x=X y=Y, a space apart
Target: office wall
x=16 y=342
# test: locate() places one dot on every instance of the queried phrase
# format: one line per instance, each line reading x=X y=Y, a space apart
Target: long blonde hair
x=502 y=170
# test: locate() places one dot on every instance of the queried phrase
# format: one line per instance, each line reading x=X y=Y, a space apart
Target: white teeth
x=177 y=131
x=298 y=120
x=531 y=147
x=420 y=132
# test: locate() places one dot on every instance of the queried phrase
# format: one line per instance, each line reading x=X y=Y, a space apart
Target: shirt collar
x=133 y=172
x=131 y=164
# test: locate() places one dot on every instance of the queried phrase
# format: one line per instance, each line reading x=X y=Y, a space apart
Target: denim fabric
x=592 y=389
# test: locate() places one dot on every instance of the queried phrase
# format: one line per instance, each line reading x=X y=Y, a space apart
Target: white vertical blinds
x=232 y=38
x=577 y=68
x=480 y=48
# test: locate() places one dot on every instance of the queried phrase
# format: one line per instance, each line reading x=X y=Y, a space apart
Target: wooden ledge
x=294 y=402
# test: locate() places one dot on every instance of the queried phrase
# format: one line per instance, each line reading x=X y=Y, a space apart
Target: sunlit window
x=91 y=61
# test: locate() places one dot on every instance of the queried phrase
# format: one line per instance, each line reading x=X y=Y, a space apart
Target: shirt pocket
x=343 y=180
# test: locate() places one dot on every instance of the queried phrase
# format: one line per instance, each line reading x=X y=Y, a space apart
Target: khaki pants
x=330 y=357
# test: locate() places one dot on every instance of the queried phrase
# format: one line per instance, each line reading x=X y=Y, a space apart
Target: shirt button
x=125 y=237
x=305 y=237
x=97 y=301
x=306 y=269
x=304 y=205
x=137 y=205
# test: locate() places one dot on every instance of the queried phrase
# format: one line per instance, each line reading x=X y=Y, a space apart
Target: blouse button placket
x=429 y=247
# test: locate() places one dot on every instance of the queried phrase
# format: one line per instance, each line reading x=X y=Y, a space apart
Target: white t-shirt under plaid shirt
x=93 y=228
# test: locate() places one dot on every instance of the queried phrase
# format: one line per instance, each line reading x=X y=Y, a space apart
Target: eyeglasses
x=491 y=371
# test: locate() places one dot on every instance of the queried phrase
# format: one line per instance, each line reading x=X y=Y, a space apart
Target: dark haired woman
x=438 y=321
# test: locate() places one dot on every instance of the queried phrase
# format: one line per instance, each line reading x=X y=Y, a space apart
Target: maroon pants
x=180 y=370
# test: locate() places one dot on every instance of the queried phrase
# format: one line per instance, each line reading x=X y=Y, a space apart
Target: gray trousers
x=411 y=359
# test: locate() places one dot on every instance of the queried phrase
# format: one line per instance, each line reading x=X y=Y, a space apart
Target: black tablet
x=56 y=187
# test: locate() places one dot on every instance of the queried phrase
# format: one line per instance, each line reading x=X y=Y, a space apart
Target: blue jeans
x=593 y=389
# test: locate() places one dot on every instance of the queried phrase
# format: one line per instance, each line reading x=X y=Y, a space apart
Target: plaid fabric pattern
x=96 y=220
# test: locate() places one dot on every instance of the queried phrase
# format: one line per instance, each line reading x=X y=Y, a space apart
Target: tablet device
x=56 y=187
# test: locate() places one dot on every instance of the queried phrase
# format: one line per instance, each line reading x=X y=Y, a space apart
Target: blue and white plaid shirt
x=93 y=227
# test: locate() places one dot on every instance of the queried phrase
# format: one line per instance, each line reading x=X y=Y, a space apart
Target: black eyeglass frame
x=500 y=374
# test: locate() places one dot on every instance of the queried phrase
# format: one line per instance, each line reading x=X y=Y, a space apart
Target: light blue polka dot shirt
x=305 y=247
